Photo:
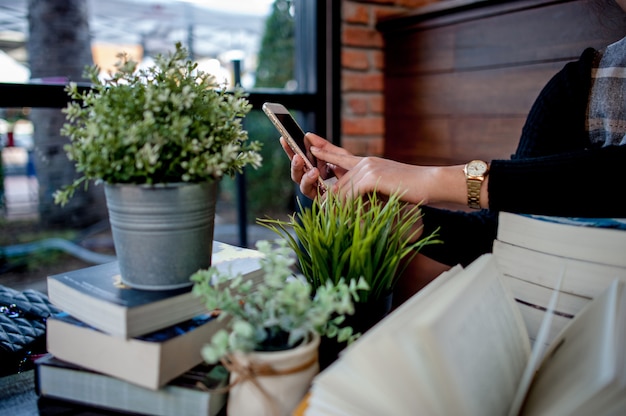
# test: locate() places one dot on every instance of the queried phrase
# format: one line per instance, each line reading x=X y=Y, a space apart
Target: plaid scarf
x=606 y=110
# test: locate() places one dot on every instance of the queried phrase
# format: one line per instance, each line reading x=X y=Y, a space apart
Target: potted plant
x=270 y=345
x=160 y=139
x=367 y=237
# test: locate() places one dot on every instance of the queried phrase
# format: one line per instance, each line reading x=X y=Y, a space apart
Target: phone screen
x=295 y=132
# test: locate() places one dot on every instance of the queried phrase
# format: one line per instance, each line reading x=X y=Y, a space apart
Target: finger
x=344 y=161
x=286 y=148
x=309 y=183
x=315 y=140
x=297 y=168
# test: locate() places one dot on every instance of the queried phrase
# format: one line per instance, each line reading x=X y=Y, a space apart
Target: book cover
x=588 y=239
x=149 y=361
x=97 y=296
x=65 y=387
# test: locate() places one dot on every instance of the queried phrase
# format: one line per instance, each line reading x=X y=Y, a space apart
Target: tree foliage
x=276 y=56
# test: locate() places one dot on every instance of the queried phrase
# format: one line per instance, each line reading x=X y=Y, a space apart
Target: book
x=597 y=240
x=63 y=385
x=460 y=346
x=97 y=296
x=532 y=250
x=149 y=361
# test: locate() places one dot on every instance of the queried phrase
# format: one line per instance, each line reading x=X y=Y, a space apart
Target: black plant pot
x=365 y=316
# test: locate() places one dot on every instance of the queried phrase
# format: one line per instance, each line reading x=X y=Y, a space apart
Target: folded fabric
x=22 y=328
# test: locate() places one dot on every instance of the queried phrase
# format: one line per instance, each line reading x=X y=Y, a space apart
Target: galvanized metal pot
x=162 y=233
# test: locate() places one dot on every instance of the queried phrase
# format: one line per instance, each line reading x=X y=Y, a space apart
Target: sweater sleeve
x=584 y=183
x=464 y=235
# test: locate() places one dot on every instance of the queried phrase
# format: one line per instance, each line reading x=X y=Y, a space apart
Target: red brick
x=380 y=1
x=354 y=59
x=364 y=146
x=361 y=36
x=378 y=59
x=357 y=105
x=363 y=126
x=355 y=13
x=352 y=81
x=385 y=12
x=376 y=103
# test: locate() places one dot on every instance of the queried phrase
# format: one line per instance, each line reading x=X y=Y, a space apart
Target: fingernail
x=314 y=148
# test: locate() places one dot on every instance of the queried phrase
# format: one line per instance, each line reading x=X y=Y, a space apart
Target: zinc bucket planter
x=162 y=233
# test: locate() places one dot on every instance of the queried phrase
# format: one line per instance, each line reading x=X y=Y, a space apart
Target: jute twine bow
x=253 y=370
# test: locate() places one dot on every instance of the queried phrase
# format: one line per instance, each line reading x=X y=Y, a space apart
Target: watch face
x=476 y=168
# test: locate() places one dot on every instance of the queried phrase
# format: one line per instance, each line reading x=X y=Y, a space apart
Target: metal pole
x=242 y=209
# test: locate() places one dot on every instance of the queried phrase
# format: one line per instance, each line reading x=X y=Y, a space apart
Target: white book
x=149 y=361
x=598 y=240
x=58 y=380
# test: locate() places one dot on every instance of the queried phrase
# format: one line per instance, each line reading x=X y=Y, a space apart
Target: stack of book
x=124 y=349
x=534 y=251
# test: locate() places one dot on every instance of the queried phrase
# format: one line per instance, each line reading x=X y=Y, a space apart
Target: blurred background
x=245 y=42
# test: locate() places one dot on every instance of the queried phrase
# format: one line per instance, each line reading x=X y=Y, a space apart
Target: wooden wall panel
x=452 y=141
x=494 y=91
x=458 y=84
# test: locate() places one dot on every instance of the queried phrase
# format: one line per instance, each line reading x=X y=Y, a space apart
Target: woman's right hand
x=308 y=179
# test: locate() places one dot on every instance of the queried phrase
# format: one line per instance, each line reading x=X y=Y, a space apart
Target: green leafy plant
x=366 y=237
x=168 y=123
x=277 y=313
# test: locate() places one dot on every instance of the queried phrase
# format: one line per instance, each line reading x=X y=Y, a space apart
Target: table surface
x=17 y=394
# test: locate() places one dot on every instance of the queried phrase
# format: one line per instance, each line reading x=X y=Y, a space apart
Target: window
x=312 y=95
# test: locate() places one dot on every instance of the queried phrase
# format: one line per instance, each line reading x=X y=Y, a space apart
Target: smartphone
x=293 y=134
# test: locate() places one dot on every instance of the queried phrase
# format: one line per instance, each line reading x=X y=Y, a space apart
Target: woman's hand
x=308 y=180
x=362 y=175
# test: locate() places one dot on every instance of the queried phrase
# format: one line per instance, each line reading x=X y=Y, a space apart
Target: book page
x=458 y=347
x=476 y=343
x=537 y=352
x=582 y=361
x=371 y=375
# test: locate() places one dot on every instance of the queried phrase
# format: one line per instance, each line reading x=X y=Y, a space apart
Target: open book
x=460 y=346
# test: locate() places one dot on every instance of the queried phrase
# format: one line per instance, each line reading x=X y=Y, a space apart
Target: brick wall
x=362 y=125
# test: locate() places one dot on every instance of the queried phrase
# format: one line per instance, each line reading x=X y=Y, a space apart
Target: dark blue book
x=97 y=296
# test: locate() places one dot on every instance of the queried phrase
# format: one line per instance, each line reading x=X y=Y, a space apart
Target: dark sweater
x=554 y=171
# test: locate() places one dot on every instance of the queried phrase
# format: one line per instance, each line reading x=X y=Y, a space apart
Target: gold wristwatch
x=475 y=172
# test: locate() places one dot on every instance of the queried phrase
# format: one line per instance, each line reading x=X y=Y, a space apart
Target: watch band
x=473 y=193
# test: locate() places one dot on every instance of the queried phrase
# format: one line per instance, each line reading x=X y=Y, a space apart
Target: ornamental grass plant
x=366 y=237
x=164 y=124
